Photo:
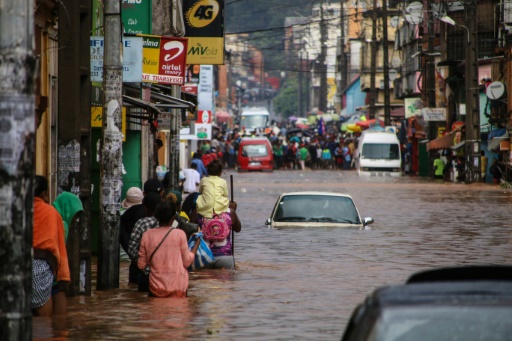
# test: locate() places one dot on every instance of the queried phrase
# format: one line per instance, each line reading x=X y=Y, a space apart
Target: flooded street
x=304 y=283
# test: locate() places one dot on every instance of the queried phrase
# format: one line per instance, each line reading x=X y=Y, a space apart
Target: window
x=252 y=150
x=380 y=151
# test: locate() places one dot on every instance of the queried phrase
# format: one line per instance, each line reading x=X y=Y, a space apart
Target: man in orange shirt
x=50 y=255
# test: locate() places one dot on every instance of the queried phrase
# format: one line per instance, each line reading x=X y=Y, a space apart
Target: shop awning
x=164 y=101
x=495 y=142
x=458 y=145
x=443 y=142
x=167 y=90
x=170 y=102
x=141 y=104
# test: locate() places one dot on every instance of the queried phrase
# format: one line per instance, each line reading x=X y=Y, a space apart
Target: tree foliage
x=264 y=21
x=286 y=101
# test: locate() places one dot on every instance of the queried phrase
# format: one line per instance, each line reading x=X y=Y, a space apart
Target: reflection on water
x=304 y=283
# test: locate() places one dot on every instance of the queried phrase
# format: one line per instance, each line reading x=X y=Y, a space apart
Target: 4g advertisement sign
x=204 y=28
x=163 y=59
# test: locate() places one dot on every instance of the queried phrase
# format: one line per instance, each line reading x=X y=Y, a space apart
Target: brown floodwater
x=304 y=283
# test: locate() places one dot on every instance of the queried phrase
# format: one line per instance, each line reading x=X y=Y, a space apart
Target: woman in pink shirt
x=168 y=276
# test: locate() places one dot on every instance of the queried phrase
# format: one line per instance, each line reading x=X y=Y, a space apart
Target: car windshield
x=380 y=151
x=316 y=208
x=253 y=150
x=253 y=121
x=443 y=323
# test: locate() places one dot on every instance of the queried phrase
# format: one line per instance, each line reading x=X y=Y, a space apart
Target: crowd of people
x=291 y=151
x=155 y=221
x=161 y=231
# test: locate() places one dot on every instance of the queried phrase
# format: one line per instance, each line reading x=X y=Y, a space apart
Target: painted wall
x=354 y=97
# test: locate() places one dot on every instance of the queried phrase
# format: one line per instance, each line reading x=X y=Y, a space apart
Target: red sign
x=164 y=59
x=204 y=116
x=191 y=89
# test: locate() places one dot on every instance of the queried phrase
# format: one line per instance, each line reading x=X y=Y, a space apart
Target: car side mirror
x=268 y=222
x=244 y=154
x=368 y=221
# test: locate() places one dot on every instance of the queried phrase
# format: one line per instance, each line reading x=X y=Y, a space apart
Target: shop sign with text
x=132 y=59
x=163 y=59
x=136 y=16
x=434 y=114
x=204 y=26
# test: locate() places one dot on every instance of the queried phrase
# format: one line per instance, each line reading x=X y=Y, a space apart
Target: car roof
x=317 y=193
x=463 y=273
x=464 y=286
x=443 y=293
x=443 y=285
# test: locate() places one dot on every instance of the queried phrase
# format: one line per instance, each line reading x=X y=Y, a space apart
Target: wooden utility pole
x=387 y=101
x=373 y=62
x=111 y=182
x=429 y=92
x=17 y=117
x=174 y=145
x=343 y=55
x=472 y=96
x=322 y=100
x=299 y=94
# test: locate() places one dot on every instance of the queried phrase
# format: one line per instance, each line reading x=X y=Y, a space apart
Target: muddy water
x=304 y=283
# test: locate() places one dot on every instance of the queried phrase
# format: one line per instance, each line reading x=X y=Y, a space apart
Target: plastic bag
x=204 y=255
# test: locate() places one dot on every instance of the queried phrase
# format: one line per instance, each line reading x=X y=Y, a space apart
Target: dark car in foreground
x=458 y=303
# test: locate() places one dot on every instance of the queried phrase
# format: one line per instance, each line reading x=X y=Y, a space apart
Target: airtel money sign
x=163 y=59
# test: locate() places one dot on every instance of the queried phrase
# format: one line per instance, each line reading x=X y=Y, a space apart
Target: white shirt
x=192 y=178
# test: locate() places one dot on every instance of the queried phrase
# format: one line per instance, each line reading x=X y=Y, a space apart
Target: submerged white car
x=315 y=209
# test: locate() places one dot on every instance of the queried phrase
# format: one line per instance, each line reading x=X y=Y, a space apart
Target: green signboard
x=136 y=16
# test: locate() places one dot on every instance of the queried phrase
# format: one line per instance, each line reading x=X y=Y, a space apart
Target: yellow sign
x=97 y=119
x=205 y=51
x=204 y=28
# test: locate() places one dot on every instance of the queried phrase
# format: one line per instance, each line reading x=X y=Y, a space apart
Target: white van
x=379 y=154
x=254 y=118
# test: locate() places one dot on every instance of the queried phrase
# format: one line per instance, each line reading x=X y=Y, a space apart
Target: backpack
x=215 y=228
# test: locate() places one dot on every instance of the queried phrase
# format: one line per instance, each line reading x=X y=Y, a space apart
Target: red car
x=255 y=154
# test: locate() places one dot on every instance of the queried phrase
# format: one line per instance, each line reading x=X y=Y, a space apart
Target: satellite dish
x=414 y=13
x=495 y=90
x=394 y=22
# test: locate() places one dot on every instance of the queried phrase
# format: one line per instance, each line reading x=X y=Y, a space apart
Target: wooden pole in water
x=232 y=232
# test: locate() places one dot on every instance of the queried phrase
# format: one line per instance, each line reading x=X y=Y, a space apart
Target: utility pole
x=431 y=68
x=387 y=102
x=472 y=96
x=430 y=85
x=174 y=145
x=343 y=54
x=17 y=112
x=111 y=151
x=299 y=95
x=308 y=97
x=373 y=61
x=322 y=100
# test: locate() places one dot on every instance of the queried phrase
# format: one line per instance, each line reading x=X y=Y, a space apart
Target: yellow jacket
x=213 y=197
